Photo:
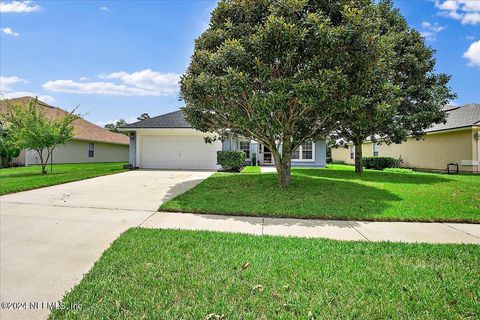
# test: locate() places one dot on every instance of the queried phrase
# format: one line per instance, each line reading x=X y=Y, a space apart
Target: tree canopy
x=290 y=71
x=392 y=86
x=268 y=71
x=32 y=129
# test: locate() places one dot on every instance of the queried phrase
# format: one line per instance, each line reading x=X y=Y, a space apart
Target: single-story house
x=168 y=141
x=457 y=141
x=90 y=142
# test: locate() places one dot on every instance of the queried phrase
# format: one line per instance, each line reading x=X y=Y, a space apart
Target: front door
x=267 y=155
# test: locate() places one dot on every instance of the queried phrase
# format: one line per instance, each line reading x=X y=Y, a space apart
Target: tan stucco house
x=457 y=141
x=90 y=142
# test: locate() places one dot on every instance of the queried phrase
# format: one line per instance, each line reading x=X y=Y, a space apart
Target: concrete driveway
x=50 y=237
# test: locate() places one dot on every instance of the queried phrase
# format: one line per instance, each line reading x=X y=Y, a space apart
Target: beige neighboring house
x=90 y=143
x=457 y=141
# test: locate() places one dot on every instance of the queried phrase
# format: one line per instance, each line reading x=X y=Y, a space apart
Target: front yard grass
x=171 y=274
x=337 y=192
x=27 y=178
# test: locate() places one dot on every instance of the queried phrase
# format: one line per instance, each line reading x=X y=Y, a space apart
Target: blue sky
x=118 y=59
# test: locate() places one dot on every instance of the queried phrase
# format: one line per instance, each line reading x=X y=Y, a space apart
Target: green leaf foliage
x=267 y=70
x=32 y=129
x=231 y=160
x=391 y=84
x=289 y=71
x=380 y=163
x=8 y=147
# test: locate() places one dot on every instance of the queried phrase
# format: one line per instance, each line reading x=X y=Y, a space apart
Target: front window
x=307 y=151
x=352 y=152
x=91 y=150
x=245 y=147
x=304 y=152
x=376 y=149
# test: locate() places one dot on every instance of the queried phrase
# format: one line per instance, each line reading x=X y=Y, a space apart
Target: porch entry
x=267 y=157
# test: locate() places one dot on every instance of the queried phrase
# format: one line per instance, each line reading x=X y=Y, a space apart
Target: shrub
x=231 y=160
x=380 y=163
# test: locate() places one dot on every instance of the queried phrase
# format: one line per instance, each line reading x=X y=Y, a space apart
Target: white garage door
x=178 y=152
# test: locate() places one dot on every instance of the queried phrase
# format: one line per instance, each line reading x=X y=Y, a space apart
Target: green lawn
x=26 y=178
x=170 y=274
x=337 y=192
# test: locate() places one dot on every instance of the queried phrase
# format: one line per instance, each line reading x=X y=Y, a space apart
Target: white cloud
x=104 y=9
x=6 y=82
x=473 y=54
x=9 y=31
x=7 y=92
x=147 y=79
x=466 y=11
x=142 y=83
x=430 y=30
x=18 y=94
x=19 y=7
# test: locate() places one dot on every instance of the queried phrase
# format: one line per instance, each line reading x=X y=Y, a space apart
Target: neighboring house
x=169 y=142
x=457 y=141
x=90 y=143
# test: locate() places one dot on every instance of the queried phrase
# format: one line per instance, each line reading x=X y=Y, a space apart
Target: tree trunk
x=283 y=165
x=44 y=165
x=358 y=158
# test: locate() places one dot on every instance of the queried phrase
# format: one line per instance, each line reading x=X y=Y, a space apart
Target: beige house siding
x=433 y=152
x=76 y=151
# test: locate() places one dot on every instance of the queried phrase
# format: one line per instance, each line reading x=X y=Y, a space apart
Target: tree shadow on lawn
x=260 y=195
x=29 y=174
x=372 y=176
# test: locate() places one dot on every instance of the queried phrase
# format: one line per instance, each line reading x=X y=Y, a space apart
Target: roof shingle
x=172 y=120
x=459 y=117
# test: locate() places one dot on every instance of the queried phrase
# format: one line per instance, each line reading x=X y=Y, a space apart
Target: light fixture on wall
x=477 y=135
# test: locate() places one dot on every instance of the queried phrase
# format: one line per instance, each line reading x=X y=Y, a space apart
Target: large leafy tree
x=394 y=94
x=267 y=70
x=32 y=129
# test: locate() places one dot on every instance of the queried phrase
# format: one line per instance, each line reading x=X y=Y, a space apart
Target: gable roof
x=82 y=129
x=459 y=117
x=171 y=120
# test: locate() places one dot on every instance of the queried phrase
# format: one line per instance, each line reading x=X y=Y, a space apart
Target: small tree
x=392 y=86
x=32 y=129
x=8 y=147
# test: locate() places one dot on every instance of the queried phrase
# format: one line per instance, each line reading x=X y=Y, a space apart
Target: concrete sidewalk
x=332 y=229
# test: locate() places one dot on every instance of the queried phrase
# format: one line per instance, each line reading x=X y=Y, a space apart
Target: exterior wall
x=320 y=156
x=433 y=152
x=76 y=151
x=320 y=152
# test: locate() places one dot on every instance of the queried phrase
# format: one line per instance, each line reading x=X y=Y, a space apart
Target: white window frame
x=300 y=154
x=91 y=149
x=376 y=148
x=249 y=148
x=351 y=152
